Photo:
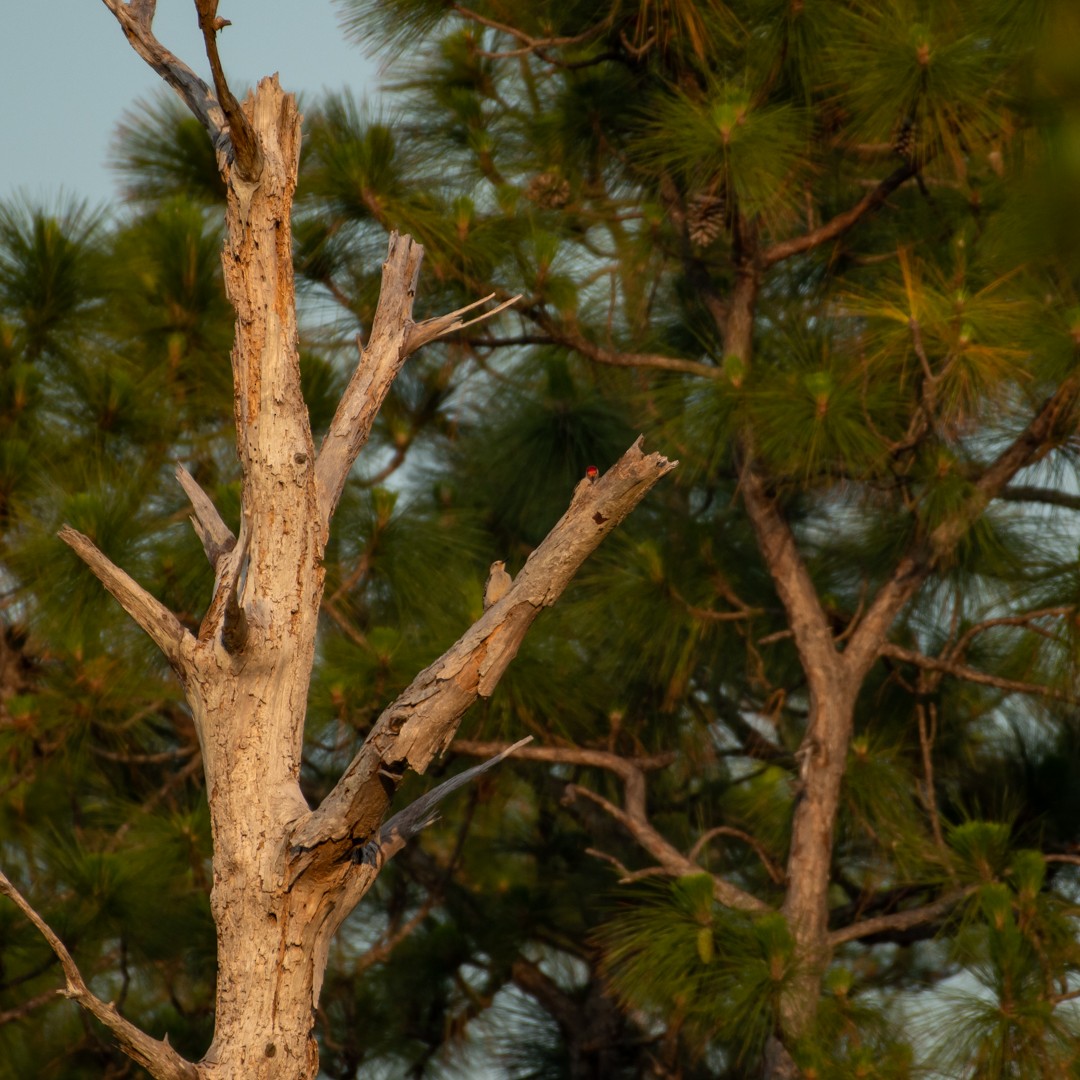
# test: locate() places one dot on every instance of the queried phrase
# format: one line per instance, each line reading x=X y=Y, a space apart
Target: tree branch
x=570 y=755
x=630 y=771
x=423 y=720
x=135 y=20
x=1025 y=620
x=1031 y=493
x=806 y=617
x=27 y=1007
x=899 y=920
x=163 y=627
x=970 y=674
x=673 y=861
x=246 y=146
x=771 y=868
x=381 y=950
x=840 y=224
x=216 y=537
x=571 y=338
x=159 y=1058
x=376 y=369
x=1046 y=428
x=421 y=333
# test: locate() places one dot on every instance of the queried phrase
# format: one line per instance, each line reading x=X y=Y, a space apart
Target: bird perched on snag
x=498 y=583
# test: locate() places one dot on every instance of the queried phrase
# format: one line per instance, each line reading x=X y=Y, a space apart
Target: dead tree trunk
x=286 y=876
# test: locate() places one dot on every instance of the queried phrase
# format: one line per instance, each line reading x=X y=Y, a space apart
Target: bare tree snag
x=285 y=876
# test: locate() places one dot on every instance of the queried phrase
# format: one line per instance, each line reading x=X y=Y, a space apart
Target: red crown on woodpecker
x=592 y=472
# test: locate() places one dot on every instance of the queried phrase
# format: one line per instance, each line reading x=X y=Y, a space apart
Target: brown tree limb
x=158 y=1057
x=572 y=338
x=419 y=334
x=569 y=755
x=380 y=952
x=135 y=20
x=771 y=868
x=1038 y=438
x=1032 y=493
x=970 y=674
x=926 y=744
x=376 y=369
x=152 y=616
x=899 y=920
x=630 y=771
x=1072 y=860
x=423 y=720
x=245 y=145
x=626 y=875
x=216 y=537
x=1025 y=620
x=28 y=1007
x=529 y=43
x=840 y=224
x=673 y=861
x=806 y=617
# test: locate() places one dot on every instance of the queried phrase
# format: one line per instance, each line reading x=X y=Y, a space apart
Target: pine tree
x=850 y=640
x=724 y=853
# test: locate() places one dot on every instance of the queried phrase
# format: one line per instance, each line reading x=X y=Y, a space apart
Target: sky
x=67 y=73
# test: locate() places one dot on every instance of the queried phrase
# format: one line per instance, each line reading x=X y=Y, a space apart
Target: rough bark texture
x=248 y=675
x=284 y=876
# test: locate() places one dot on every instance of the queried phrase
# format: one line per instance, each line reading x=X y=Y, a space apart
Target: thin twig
x=926 y=743
x=667 y=855
x=773 y=870
x=157 y=1056
x=899 y=920
x=970 y=674
x=381 y=950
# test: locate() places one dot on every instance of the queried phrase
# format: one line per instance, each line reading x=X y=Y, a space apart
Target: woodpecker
x=591 y=473
x=498 y=584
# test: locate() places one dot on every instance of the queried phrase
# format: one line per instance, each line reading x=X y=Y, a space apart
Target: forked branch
x=631 y=771
x=673 y=861
x=1047 y=428
x=136 y=21
x=394 y=337
x=376 y=369
x=431 y=329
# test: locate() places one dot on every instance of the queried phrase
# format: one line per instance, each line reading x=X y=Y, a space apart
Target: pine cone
x=904 y=140
x=706 y=217
x=548 y=190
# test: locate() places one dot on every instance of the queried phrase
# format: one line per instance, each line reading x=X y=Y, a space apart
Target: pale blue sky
x=67 y=73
